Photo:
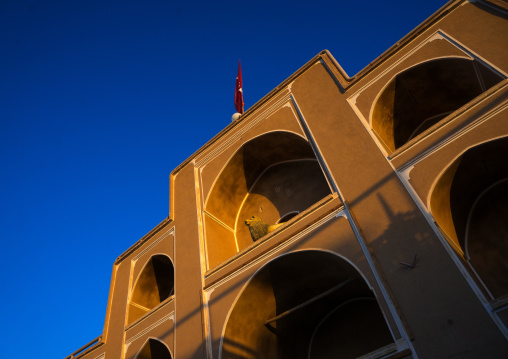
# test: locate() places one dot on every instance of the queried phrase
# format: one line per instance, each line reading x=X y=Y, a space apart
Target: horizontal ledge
x=296 y=226
x=150 y=312
x=266 y=237
x=86 y=348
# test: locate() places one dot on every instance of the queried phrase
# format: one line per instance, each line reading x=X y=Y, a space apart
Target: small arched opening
x=154 y=349
x=421 y=96
x=470 y=204
x=308 y=304
x=154 y=284
x=270 y=177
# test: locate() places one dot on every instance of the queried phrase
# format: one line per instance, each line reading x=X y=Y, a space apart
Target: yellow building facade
x=382 y=202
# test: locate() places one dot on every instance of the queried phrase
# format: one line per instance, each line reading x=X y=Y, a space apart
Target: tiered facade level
x=391 y=191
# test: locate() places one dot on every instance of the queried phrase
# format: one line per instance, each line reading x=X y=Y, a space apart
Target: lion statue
x=258 y=228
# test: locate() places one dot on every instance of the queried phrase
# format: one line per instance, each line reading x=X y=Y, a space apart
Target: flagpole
x=239 y=104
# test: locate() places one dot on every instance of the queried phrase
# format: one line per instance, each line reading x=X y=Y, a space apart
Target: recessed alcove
x=272 y=177
x=154 y=349
x=470 y=204
x=288 y=311
x=421 y=96
x=288 y=216
x=154 y=284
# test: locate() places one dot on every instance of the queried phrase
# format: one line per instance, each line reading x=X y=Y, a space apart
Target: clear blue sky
x=101 y=100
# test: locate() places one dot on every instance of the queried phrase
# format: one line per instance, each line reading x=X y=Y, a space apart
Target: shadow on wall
x=314 y=304
x=421 y=96
x=470 y=205
x=271 y=177
x=289 y=311
x=276 y=315
x=302 y=304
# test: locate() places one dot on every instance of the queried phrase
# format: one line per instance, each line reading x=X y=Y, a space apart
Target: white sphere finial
x=235 y=117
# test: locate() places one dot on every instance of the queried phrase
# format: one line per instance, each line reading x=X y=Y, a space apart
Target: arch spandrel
x=280 y=310
x=469 y=205
x=154 y=284
x=435 y=47
x=268 y=177
x=229 y=189
x=282 y=119
x=419 y=97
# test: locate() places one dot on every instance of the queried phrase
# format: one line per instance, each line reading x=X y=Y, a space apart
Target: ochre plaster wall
x=432 y=304
x=187 y=268
x=394 y=228
x=334 y=236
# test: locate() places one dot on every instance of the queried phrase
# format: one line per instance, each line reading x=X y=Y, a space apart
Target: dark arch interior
x=269 y=177
x=287 y=310
x=470 y=201
x=488 y=239
x=154 y=284
x=348 y=323
x=288 y=216
x=154 y=349
x=421 y=96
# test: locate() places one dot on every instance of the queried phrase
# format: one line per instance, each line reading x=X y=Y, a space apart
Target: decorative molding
x=170 y=316
x=150 y=312
x=132 y=280
x=211 y=216
x=449 y=245
x=438 y=35
x=381 y=284
x=337 y=213
x=262 y=114
x=332 y=75
x=171 y=231
x=145 y=238
x=480 y=120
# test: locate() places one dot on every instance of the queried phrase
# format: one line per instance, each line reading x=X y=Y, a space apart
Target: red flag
x=239 y=90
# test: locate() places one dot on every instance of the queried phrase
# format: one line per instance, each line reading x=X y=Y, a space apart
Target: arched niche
x=154 y=349
x=272 y=177
x=470 y=204
x=154 y=284
x=421 y=96
x=308 y=304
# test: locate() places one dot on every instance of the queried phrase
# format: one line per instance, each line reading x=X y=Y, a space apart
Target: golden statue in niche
x=258 y=228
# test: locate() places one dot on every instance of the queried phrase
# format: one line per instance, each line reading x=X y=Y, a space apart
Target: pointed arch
x=154 y=349
x=154 y=284
x=470 y=205
x=278 y=312
x=268 y=177
x=421 y=96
